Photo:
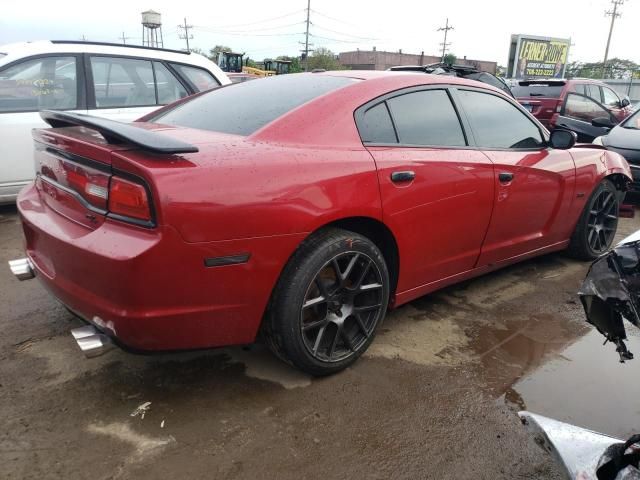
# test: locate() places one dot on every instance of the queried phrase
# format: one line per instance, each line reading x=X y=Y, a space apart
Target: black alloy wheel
x=597 y=225
x=329 y=301
x=341 y=306
x=603 y=221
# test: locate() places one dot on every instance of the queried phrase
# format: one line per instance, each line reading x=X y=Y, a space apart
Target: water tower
x=151 y=25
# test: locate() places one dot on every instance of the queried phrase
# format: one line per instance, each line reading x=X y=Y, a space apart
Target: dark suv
x=462 y=71
x=572 y=104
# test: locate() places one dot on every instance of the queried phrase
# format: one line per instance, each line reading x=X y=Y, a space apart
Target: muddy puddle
x=562 y=370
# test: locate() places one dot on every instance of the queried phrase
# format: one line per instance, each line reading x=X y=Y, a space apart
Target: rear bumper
x=150 y=289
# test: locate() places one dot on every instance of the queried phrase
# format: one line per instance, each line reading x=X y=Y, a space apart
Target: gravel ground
x=433 y=398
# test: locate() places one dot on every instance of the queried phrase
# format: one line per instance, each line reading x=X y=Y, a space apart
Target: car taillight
x=93 y=188
x=128 y=199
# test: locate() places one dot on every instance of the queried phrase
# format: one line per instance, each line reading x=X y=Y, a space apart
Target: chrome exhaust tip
x=91 y=341
x=22 y=268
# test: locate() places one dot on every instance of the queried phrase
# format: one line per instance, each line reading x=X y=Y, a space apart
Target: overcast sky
x=264 y=29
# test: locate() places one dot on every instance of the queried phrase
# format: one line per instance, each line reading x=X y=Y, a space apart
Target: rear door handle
x=401 y=177
x=505 y=177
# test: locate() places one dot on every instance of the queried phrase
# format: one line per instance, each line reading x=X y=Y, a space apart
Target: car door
x=437 y=193
x=612 y=102
x=533 y=184
x=27 y=86
x=125 y=89
x=577 y=113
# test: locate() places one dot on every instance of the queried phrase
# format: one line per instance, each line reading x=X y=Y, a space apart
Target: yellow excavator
x=269 y=68
x=280 y=67
x=258 y=72
x=232 y=63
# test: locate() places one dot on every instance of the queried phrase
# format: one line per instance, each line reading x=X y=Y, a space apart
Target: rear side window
x=243 y=108
x=169 y=88
x=497 y=123
x=376 y=126
x=580 y=88
x=537 y=90
x=200 y=78
x=122 y=82
x=426 y=118
x=38 y=84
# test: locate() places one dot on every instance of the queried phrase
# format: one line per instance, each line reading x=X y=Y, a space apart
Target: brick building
x=379 y=60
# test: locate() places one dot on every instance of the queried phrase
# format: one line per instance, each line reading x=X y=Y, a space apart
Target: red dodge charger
x=301 y=207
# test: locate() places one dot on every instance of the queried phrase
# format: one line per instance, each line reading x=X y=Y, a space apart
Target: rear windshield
x=243 y=108
x=537 y=90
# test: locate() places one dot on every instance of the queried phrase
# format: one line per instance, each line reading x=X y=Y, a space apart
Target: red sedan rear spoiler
x=118 y=132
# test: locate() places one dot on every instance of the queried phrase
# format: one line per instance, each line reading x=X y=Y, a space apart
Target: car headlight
x=598 y=141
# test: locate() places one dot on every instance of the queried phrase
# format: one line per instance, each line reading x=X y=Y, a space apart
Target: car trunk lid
x=75 y=172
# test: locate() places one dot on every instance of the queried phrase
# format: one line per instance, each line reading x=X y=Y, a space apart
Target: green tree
x=323 y=58
x=616 y=68
x=213 y=53
x=449 y=58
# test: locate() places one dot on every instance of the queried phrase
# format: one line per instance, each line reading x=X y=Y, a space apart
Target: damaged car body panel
x=610 y=292
x=584 y=454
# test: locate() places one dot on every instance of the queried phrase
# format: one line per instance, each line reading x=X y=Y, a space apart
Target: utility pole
x=446 y=29
x=186 y=36
x=613 y=14
x=124 y=39
x=306 y=39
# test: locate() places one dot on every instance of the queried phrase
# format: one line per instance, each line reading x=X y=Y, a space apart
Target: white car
x=121 y=82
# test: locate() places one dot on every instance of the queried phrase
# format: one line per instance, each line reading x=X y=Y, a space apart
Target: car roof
x=17 y=51
x=323 y=120
x=403 y=76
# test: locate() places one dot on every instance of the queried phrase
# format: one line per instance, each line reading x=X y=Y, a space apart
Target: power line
x=333 y=18
x=262 y=21
x=333 y=39
x=247 y=34
x=343 y=33
x=444 y=44
x=276 y=47
x=224 y=31
x=186 y=36
x=613 y=14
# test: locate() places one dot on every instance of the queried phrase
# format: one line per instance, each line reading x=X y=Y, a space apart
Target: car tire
x=597 y=224
x=328 y=303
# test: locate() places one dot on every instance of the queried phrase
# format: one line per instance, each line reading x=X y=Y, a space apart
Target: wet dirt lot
x=436 y=396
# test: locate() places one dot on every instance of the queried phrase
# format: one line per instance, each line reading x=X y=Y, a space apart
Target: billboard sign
x=538 y=57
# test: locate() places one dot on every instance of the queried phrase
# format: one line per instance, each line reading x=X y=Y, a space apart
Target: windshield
x=633 y=122
x=243 y=108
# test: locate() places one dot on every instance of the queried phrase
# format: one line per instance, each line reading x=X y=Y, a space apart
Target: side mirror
x=603 y=122
x=625 y=102
x=563 y=139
